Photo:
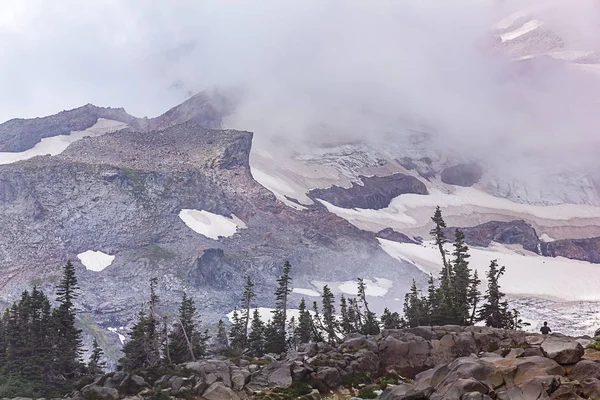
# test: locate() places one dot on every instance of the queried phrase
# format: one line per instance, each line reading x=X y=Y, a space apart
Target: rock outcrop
x=435 y=363
x=462 y=174
x=375 y=193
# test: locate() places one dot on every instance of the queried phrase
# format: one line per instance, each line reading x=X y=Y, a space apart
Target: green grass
x=368 y=392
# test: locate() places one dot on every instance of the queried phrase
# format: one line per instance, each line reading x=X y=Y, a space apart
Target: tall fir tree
x=330 y=324
x=68 y=339
x=236 y=332
x=246 y=305
x=96 y=363
x=495 y=311
x=462 y=279
x=346 y=325
x=153 y=327
x=135 y=354
x=415 y=307
x=304 y=329
x=473 y=296
x=256 y=337
x=439 y=237
x=184 y=340
x=369 y=325
x=221 y=339
x=276 y=342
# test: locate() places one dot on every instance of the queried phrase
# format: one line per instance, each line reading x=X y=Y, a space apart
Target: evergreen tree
x=354 y=315
x=276 y=342
x=440 y=238
x=185 y=342
x=236 y=333
x=304 y=329
x=221 y=341
x=390 y=320
x=96 y=365
x=346 y=323
x=135 y=354
x=415 y=308
x=68 y=337
x=329 y=321
x=495 y=311
x=473 y=296
x=246 y=304
x=153 y=334
x=462 y=279
x=256 y=338
x=369 y=326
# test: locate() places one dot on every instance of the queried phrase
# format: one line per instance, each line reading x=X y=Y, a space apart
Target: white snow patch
x=266 y=313
x=121 y=337
x=377 y=287
x=307 y=292
x=544 y=237
x=526 y=28
x=278 y=187
x=511 y=19
x=211 y=225
x=466 y=199
x=527 y=274
x=57 y=144
x=95 y=260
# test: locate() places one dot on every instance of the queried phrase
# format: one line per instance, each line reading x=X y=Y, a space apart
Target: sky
x=302 y=68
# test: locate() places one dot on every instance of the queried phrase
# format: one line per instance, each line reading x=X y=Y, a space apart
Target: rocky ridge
x=440 y=362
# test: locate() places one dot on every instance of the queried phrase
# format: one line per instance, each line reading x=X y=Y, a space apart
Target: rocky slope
x=444 y=362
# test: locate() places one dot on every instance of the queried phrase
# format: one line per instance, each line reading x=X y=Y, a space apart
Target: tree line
x=40 y=347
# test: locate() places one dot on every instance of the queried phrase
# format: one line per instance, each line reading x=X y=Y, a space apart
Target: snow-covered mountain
x=193 y=198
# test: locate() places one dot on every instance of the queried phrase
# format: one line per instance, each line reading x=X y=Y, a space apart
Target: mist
x=313 y=70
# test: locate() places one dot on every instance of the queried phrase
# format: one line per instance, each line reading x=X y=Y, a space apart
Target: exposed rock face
x=374 y=193
x=576 y=249
x=122 y=193
x=514 y=232
x=462 y=174
x=446 y=362
x=390 y=234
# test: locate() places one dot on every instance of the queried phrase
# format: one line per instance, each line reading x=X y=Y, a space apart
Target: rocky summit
x=439 y=362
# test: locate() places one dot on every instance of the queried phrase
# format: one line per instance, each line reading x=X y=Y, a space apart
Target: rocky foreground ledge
x=447 y=362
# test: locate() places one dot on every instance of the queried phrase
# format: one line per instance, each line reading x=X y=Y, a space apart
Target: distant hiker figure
x=545 y=329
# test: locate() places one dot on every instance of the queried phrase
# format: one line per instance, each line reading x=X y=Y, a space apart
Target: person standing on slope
x=545 y=329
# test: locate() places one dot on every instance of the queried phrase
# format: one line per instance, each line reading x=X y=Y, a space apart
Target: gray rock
x=462 y=174
x=562 y=350
x=218 y=391
x=329 y=376
x=585 y=369
x=100 y=392
x=281 y=377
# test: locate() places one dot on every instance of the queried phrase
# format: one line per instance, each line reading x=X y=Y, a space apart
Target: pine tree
x=304 y=329
x=440 y=238
x=135 y=354
x=184 y=344
x=246 y=304
x=346 y=323
x=390 y=320
x=68 y=339
x=153 y=334
x=370 y=326
x=96 y=365
x=221 y=340
x=236 y=333
x=256 y=337
x=473 y=296
x=329 y=321
x=276 y=343
x=415 y=307
x=495 y=311
x=462 y=279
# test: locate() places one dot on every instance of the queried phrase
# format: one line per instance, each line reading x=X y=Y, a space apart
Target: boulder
x=329 y=376
x=99 y=392
x=218 y=391
x=585 y=369
x=405 y=392
x=132 y=385
x=458 y=388
x=591 y=388
x=562 y=350
x=539 y=386
x=281 y=377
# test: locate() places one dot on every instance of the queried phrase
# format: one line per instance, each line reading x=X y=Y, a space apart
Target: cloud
x=308 y=69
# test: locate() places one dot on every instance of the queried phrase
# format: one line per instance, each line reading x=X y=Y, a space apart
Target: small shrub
x=368 y=392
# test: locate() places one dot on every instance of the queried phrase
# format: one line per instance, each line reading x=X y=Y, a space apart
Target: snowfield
x=57 y=144
x=377 y=287
x=527 y=274
x=95 y=260
x=526 y=28
x=211 y=225
x=306 y=292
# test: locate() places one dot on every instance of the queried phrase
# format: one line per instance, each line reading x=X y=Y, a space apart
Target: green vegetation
x=367 y=392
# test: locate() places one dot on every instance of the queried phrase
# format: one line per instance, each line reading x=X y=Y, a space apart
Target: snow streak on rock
x=211 y=225
x=95 y=260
